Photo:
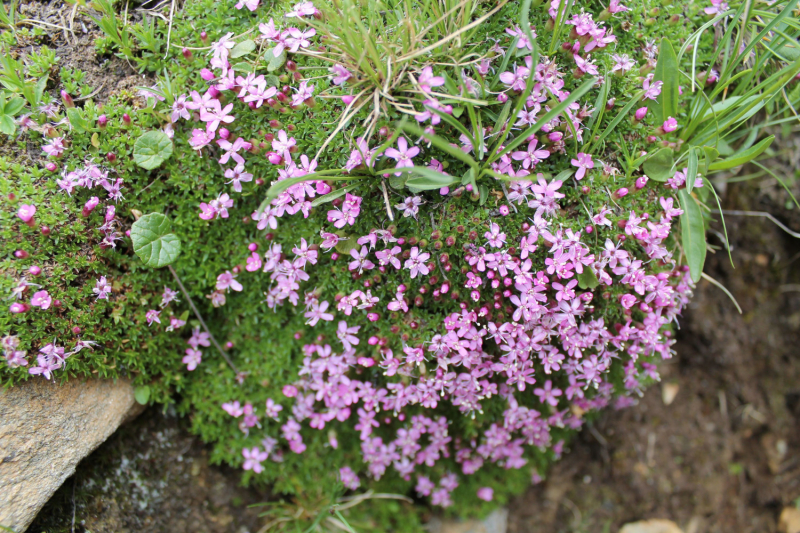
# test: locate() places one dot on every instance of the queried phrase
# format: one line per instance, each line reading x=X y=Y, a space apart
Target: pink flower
x=651 y=89
x=403 y=155
x=627 y=300
x=41 y=299
x=227 y=280
x=427 y=80
x=303 y=9
x=670 y=125
x=583 y=162
x=55 y=147
x=251 y=4
x=641 y=113
x=152 y=316
x=416 y=263
x=615 y=7
x=192 y=358
x=622 y=63
x=317 y=313
x=273 y=409
x=234 y=409
x=253 y=459
x=486 y=494
x=349 y=478
x=26 y=212
x=532 y=156
x=102 y=288
x=340 y=74
x=216 y=115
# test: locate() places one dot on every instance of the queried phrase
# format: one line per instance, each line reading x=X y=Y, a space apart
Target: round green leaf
x=142 y=394
x=152 y=242
x=152 y=149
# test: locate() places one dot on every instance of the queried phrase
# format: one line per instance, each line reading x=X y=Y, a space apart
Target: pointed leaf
x=76 y=120
x=153 y=242
x=152 y=149
x=691 y=170
x=666 y=71
x=745 y=156
x=243 y=48
x=693 y=234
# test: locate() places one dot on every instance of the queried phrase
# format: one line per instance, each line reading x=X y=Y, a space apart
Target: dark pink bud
x=224 y=133
x=21 y=254
x=204 y=36
x=57 y=303
x=373 y=317
x=187 y=54
x=19 y=307
x=589 y=229
x=213 y=92
x=126 y=119
x=252 y=246
x=45 y=230
x=348 y=99
x=127 y=233
x=641 y=182
x=641 y=113
x=229 y=345
x=102 y=121
x=34 y=270
x=207 y=75
x=50 y=166
x=275 y=124
x=67 y=99
x=111 y=212
x=502 y=98
x=334 y=256
x=291 y=66
x=274 y=158
x=111 y=157
x=76 y=330
x=621 y=192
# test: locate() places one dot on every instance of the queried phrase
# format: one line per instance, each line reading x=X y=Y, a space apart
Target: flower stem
x=200 y=318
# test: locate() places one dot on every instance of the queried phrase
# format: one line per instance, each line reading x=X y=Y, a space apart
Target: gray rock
x=45 y=430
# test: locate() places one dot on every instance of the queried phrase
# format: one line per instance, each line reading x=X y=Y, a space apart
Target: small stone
x=496 y=522
x=656 y=525
x=668 y=392
x=789 y=521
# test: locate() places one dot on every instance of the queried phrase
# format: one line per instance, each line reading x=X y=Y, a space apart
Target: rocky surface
x=45 y=431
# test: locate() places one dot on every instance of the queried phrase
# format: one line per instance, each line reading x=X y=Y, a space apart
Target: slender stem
x=200 y=318
x=386 y=200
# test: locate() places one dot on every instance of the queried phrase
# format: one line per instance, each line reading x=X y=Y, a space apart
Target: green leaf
x=153 y=242
x=142 y=394
x=483 y=191
x=243 y=48
x=76 y=120
x=427 y=179
x=331 y=196
x=711 y=154
x=659 y=165
x=693 y=234
x=152 y=149
x=14 y=106
x=275 y=62
x=7 y=125
x=439 y=143
x=346 y=243
x=745 y=156
x=666 y=71
x=691 y=171
x=587 y=279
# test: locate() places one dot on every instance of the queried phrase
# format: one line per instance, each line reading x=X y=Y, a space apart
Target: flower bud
x=111 y=212
x=669 y=125
x=76 y=330
x=207 y=75
x=34 y=270
x=373 y=317
x=640 y=113
x=187 y=54
x=621 y=192
x=252 y=246
x=126 y=119
x=19 y=307
x=67 y=99
x=45 y=230
x=274 y=158
x=50 y=166
x=204 y=37
x=102 y=121
x=224 y=133
x=641 y=182
x=26 y=212
x=111 y=157
x=589 y=229
x=502 y=98
x=348 y=99
x=291 y=66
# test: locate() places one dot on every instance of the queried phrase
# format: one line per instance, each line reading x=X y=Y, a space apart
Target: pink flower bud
x=252 y=246
x=621 y=192
x=334 y=256
x=19 y=307
x=187 y=54
x=589 y=229
x=373 y=317
x=206 y=74
x=274 y=158
x=111 y=157
x=228 y=345
x=402 y=288
x=204 y=36
x=504 y=210
x=213 y=92
x=555 y=136
x=34 y=270
x=126 y=119
x=641 y=182
x=76 y=330
x=26 y=212
x=67 y=99
x=45 y=230
x=372 y=341
x=290 y=391
x=641 y=113
x=445 y=288
x=50 y=166
x=486 y=494
x=322 y=188
x=111 y=212
x=102 y=121
x=502 y=98
x=670 y=125
x=90 y=205
x=224 y=133
x=444 y=191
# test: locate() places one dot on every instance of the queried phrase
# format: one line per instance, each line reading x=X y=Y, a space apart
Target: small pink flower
x=583 y=162
x=627 y=301
x=41 y=299
x=152 y=316
x=486 y=494
x=26 y=212
x=670 y=125
x=641 y=113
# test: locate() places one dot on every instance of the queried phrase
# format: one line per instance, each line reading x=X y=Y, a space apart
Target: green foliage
x=9 y=109
x=153 y=242
x=152 y=149
x=74 y=81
